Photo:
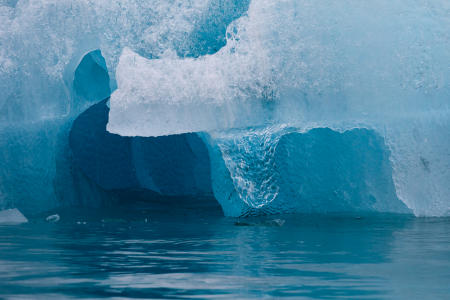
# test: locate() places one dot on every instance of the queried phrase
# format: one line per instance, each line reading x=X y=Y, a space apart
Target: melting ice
x=304 y=105
x=305 y=65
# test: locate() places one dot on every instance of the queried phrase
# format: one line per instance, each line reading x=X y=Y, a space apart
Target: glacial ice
x=170 y=165
x=292 y=66
x=57 y=59
x=305 y=105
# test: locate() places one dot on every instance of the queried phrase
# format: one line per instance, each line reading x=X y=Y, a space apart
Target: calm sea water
x=192 y=254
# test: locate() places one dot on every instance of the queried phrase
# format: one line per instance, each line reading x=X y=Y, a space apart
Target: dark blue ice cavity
x=91 y=79
x=173 y=165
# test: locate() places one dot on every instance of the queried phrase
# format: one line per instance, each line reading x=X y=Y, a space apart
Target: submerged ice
x=305 y=106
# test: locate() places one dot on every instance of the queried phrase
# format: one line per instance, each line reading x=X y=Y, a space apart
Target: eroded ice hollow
x=310 y=106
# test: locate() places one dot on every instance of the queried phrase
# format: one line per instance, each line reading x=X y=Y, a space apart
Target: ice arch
x=72 y=160
x=131 y=167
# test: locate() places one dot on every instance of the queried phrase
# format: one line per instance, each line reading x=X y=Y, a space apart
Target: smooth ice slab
x=175 y=95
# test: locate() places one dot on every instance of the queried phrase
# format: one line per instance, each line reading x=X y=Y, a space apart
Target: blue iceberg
x=268 y=107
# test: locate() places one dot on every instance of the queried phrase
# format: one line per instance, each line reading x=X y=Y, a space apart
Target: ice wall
x=36 y=163
x=382 y=66
x=42 y=43
x=266 y=171
x=58 y=58
x=294 y=62
x=251 y=75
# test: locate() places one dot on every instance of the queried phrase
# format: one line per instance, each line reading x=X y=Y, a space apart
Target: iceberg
x=294 y=67
x=269 y=106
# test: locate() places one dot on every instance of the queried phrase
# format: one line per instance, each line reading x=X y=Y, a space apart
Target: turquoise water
x=200 y=254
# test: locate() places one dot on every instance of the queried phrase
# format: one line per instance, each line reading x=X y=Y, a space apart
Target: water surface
x=201 y=254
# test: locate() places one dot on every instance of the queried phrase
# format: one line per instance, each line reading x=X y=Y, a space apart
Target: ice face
x=420 y=149
x=273 y=170
x=305 y=65
x=43 y=42
x=58 y=58
x=294 y=62
x=261 y=80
